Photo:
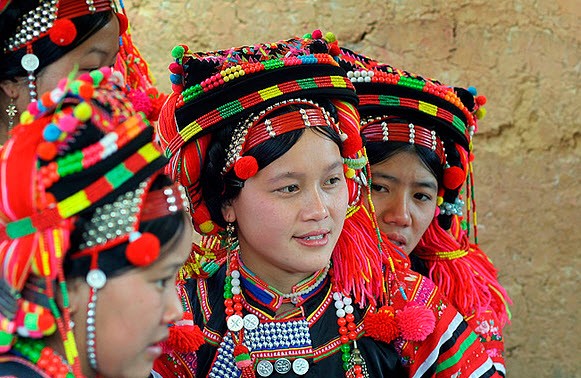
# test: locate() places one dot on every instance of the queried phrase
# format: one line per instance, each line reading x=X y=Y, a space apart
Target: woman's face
x=404 y=193
x=290 y=214
x=133 y=312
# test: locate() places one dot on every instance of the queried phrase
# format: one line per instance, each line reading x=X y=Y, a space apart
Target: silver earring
x=71 y=324
x=231 y=238
x=11 y=111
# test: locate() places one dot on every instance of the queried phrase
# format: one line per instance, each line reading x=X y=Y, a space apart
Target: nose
x=315 y=206
x=173 y=310
x=397 y=212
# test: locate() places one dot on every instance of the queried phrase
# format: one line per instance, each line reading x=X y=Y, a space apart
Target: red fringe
x=469 y=282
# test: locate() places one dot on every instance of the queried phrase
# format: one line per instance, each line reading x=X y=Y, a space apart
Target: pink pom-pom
x=243 y=364
x=141 y=101
x=176 y=68
x=317 y=34
x=415 y=322
x=68 y=123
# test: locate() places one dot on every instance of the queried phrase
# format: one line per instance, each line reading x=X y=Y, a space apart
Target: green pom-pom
x=308 y=36
x=178 y=52
x=97 y=77
x=74 y=87
x=330 y=37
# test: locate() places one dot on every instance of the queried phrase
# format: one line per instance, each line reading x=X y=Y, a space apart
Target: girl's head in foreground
x=260 y=135
x=89 y=223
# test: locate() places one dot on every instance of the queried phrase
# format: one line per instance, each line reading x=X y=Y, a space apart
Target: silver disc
x=235 y=323
x=96 y=278
x=282 y=366
x=300 y=366
x=251 y=322
x=30 y=62
x=264 y=368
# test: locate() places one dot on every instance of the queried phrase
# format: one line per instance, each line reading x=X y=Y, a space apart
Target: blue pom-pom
x=175 y=78
x=51 y=132
x=472 y=90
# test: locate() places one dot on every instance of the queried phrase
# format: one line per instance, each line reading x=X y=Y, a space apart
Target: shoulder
x=12 y=366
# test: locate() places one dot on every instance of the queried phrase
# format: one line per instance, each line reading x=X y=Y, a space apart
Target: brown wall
x=525 y=56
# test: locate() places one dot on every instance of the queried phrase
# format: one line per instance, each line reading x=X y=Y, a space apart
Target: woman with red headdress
x=418 y=135
x=91 y=237
x=289 y=280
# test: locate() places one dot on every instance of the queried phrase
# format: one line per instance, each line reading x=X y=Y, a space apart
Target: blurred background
x=524 y=56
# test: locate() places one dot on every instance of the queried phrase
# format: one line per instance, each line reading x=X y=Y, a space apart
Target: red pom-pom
x=415 y=322
x=46 y=151
x=334 y=49
x=480 y=100
x=453 y=177
x=381 y=325
x=245 y=167
x=63 y=32
x=317 y=34
x=184 y=339
x=86 y=91
x=352 y=144
x=176 y=68
x=123 y=23
x=144 y=250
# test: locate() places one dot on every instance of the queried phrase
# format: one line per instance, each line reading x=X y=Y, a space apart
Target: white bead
x=235 y=282
x=235 y=274
x=349 y=309
x=235 y=290
x=340 y=313
x=337 y=296
x=339 y=304
x=347 y=300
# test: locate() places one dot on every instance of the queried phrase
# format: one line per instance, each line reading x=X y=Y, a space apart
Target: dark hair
x=113 y=261
x=218 y=189
x=48 y=52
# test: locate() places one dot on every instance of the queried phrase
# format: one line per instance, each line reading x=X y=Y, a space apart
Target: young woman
x=41 y=42
x=418 y=136
x=91 y=238
x=266 y=139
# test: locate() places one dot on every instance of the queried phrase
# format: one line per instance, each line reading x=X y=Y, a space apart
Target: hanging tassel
x=381 y=325
x=184 y=336
x=416 y=322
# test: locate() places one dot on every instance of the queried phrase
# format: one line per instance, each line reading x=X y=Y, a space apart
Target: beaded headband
x=259 y=128
x=386 y=129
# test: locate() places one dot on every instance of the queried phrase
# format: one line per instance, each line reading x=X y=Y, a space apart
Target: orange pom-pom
x=415 y=322
x=381 y=325
x=46 y=151
x=453 y=177
x=86 y=91
x=63 y=32
x=143 y=249
x=246 y=167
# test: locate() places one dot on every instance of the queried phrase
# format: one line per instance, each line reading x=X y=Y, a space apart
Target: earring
x=11 y=111
x=71 y=324
x=231 y=238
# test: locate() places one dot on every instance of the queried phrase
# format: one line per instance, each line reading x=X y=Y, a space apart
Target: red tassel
x=381 y=325
x=416 y=322
x=184 y=337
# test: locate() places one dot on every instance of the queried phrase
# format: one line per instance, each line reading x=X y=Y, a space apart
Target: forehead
x=405 y=163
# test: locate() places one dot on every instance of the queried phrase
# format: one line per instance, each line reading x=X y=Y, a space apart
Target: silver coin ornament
x=300 y=366
x=96 y=278
x=282 y=366
x=251 y=322
x=30 y=62
x=264 y=368
x=235 y=323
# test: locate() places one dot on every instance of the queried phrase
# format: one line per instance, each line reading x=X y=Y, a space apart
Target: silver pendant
x=300 y=366
x=251 y=321
x=282 y=366
x=30 y=62
x=264 y=368
x=96 y=278
x=235 y=323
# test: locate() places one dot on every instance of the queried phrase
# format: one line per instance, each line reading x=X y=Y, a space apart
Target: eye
x=164 y=282
x=289 y=189
x=423 y=197
x=333 y=181
x=379 y=188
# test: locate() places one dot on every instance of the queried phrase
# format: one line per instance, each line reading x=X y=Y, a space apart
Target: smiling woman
x=41 y=41
x=91 y=237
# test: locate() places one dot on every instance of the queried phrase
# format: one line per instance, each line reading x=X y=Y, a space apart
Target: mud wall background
x=525 y=56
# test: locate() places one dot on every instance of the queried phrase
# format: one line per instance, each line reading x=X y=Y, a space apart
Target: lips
x=315 y=238
x=397 y=239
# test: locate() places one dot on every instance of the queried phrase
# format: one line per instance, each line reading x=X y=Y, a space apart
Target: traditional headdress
x=52 y=19
x=398 y=106
x=84 y=159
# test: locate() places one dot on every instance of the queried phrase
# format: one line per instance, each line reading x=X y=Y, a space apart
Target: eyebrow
x=421 y=184
x=331 y=167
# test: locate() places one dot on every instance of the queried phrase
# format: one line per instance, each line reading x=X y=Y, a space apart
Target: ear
x=78 y=292
x=228 y=212
x=10 y=88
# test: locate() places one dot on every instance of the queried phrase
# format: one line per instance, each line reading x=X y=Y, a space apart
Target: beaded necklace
x=353 y=363
x=43 y=357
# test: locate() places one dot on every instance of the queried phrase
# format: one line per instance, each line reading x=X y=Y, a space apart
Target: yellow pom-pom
x=439 y=201
x=350 y=173
x=481 y=113
x=207 y=227
x=83 y=112
x=26 y=117
x=330 y=37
